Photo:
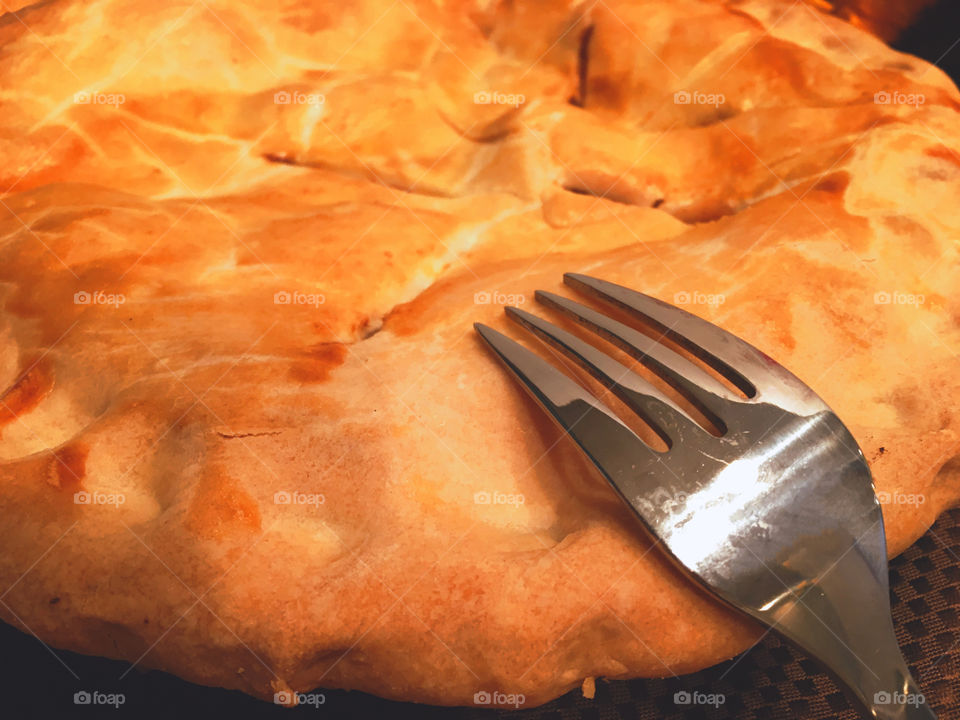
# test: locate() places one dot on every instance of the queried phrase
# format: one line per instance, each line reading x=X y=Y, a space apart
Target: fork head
x=734 y=486
x=774 y=512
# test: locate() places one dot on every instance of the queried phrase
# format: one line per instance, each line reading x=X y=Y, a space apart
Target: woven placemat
x=773 y=680
x=770 y=682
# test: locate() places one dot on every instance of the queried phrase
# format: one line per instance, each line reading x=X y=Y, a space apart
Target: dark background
x=771 y=682
x=936 y=37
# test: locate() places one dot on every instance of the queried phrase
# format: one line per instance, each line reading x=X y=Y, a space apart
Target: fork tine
x=670 y=422
x=704 y=391
x=612 y=447
x=737 y=360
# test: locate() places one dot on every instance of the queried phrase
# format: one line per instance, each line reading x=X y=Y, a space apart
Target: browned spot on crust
x=915 y=234
x=906 y=401
x=319 y=361
x=417 y=315
x=48 y=169
x=68 y=467
x=942 y=152
x=834 y=183
x=778 y=315
x=221 y=507
x=26 y=393
x=411 y=317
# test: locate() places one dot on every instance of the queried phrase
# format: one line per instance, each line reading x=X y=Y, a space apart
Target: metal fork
x=777 y=516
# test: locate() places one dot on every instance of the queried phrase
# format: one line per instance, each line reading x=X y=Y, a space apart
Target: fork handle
x=843 y=620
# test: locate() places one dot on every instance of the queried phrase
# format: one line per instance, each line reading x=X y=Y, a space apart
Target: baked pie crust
x=248 y=434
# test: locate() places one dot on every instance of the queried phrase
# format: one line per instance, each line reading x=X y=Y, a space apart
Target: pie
x=248 y=434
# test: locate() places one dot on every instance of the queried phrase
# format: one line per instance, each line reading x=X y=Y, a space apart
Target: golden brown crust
x=145 y=351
